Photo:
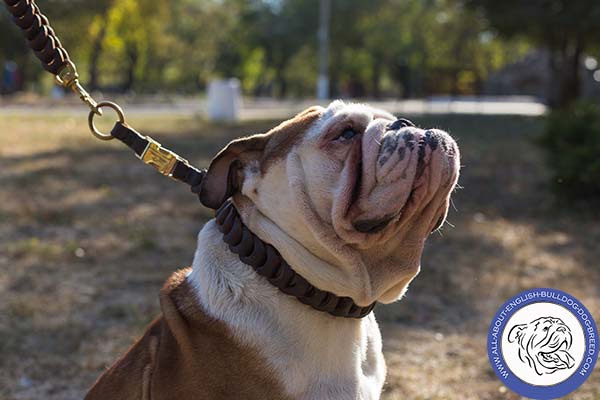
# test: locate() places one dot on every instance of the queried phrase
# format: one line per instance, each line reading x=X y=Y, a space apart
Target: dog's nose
x=399 y=123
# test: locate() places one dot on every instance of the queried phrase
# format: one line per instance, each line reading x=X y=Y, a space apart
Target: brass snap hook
x=68 y=77
x=115 y=107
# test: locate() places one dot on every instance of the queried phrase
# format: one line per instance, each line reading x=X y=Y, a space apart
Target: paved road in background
x=273 y=109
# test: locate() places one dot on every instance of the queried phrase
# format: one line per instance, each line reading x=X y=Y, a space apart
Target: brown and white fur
x=350 y=213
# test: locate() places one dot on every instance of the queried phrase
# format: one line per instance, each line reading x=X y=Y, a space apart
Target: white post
x=224 y=100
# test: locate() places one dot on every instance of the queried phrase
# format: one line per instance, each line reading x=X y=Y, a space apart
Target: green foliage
x=419 y=46
x=572 y=142
x=378 y=48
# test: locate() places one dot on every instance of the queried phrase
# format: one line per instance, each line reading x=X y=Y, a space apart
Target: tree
x=565 y=28
x=282 y=29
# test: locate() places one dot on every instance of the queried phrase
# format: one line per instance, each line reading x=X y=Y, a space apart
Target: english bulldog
x=347 y=195
x=544 y=344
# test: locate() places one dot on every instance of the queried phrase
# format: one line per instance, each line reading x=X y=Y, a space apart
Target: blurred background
x=88 y=234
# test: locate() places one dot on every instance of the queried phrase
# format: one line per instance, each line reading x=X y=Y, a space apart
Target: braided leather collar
x=267 y=262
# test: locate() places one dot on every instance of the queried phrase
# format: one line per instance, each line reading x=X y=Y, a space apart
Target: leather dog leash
x=55 y=59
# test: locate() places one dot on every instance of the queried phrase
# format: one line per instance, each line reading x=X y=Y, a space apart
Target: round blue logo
x=543 y=343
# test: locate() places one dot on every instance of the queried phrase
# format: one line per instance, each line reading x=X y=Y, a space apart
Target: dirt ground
x=88 y=234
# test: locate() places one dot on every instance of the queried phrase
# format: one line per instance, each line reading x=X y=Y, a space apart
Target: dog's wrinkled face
x=355 y=186
x=544 y=344
x=381 y=173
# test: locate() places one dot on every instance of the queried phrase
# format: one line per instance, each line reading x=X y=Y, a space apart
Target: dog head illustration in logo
x=544 y=344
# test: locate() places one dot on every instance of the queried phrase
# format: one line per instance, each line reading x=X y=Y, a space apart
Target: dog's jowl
x=346 y=196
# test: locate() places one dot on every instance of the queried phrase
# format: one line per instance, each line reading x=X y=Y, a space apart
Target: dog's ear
x=222 y=178
x=516 y=332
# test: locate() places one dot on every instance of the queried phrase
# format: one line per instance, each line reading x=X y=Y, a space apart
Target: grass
x=88 y=234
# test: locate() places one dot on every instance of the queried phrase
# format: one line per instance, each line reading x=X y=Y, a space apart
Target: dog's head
x=348 y=195
x=544 y=344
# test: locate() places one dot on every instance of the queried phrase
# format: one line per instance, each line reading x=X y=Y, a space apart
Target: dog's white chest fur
x=314 y=355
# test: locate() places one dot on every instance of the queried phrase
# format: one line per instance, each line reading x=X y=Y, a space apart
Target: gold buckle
x=160 y=158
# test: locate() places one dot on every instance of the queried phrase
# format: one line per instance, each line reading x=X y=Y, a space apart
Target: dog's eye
x=346 y=135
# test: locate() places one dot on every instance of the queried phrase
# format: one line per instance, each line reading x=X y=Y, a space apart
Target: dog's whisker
x=453 y=205
x=375 y=140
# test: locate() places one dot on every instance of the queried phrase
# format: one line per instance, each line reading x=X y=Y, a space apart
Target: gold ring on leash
x=97 y=111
